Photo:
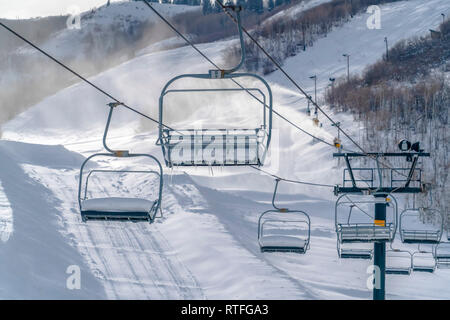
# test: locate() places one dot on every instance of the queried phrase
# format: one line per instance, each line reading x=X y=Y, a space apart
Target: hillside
x=406 y=94
x=108 y=36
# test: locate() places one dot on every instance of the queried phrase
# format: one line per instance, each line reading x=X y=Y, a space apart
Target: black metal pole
x=348 y=68
x=379 y=249
x=387 y=49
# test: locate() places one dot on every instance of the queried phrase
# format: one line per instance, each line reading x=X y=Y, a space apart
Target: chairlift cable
x=293 y=181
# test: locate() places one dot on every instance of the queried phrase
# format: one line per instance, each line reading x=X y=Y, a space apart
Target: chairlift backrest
x=369 y=230
x=345 y=200
x=419 y=233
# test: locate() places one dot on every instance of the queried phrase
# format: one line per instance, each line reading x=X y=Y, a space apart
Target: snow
x=114 y=204
x=398 y=260
x=292 y=12
x=123 y=14
x=206 y=245
x=282 y=241
x=6 y=216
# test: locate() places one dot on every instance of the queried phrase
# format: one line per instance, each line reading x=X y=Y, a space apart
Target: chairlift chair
x=345 y=252
x=217 y=147
x=118 y=208
x=348 y=251
x=292 y=229
x=354 y=232
x=423 y=261
x=418 y=234
x=442 y=255
x=398 y=261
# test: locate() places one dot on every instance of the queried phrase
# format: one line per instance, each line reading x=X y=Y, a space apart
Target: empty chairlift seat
x=118 y=208
x=214 y=147
x=423 y=261
x=398 y=262
x=414 y=230
x=358 y=224
x=131 y=203
x=366 y=254
x=442 y=255
x=218 y=146
x=354 y=251
x=284 y=230
x=283 y=243
x=94 y=191
x=365 y=232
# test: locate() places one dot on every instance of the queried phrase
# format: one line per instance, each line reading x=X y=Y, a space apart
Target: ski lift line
x=293 y=181
x=77 y=74
x=298 y=86
x=236 y=82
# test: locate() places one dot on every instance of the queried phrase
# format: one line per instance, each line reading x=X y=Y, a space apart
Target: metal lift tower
x=402 y=180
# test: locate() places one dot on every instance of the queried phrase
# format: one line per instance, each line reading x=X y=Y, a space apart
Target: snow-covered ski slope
x=205 y=247
x=123 y=16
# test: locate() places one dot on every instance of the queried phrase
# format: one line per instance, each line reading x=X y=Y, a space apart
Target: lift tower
x=390 y=180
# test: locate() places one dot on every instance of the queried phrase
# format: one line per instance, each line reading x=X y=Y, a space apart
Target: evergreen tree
x=255 y=6
x=242 y=3
x=206 y=8
x=270 y=5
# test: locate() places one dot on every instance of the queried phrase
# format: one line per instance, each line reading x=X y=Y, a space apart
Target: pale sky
x=13 y=9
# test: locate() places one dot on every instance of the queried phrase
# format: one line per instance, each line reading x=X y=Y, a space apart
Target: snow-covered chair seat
x=117 y=208
x=423 y=262
x=282 y=243
x=398 y=270
x=443 y=260
x=356 y=254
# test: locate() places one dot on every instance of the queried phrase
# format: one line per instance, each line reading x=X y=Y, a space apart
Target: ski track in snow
x=134 y=260
x=138 y=260
x=6 y=216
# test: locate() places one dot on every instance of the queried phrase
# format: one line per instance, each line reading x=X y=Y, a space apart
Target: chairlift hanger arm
x=118 y=153
x=238 y=10
x=350 y=171
x=275 y=194
x=411 y=171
